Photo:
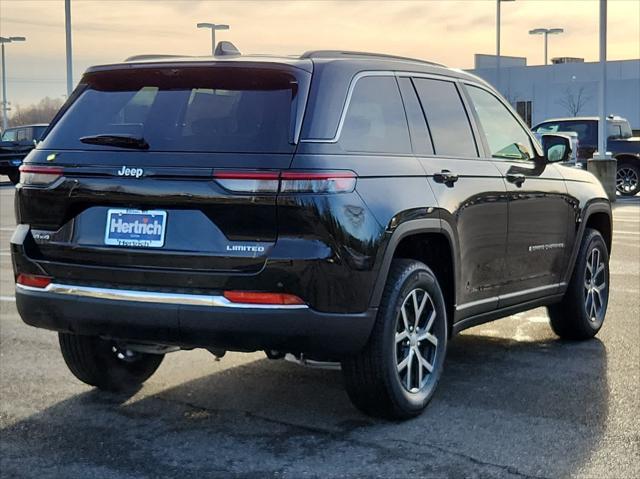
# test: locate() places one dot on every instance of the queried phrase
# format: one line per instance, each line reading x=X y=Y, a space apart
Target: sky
x=445 y=31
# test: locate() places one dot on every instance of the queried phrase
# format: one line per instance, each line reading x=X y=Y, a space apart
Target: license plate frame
x=127 y=228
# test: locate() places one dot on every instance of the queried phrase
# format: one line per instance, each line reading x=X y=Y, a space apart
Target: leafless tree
x=41 y=112
x=574 y=100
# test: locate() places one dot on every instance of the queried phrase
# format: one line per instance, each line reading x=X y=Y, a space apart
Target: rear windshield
x=193 y=109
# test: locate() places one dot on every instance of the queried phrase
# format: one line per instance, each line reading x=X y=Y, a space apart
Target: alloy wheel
x=416 y=345
x=626 y=180
x=595 y=286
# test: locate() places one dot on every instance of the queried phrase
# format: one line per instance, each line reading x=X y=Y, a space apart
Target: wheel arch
x=431 y=241
x=601 y=221
x=628 y=157
x=596 y=215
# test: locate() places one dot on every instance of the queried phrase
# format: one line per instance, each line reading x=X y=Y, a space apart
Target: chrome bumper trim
x=151 y=297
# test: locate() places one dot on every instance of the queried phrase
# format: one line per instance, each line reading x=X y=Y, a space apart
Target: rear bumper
x=192 y=320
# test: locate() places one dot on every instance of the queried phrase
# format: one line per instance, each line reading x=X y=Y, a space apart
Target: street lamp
x=546 y=32
x=602 y=165
x=498 y=2
x=67 y=31
x=4 y=40
x=213 y=27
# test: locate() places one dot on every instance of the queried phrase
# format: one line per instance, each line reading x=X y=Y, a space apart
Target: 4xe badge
x=134 y=172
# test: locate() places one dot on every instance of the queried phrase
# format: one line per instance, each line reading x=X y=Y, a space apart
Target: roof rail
x=341 y=53
x=153 y=56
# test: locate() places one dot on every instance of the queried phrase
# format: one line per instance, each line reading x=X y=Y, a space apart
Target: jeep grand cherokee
x=342 y=206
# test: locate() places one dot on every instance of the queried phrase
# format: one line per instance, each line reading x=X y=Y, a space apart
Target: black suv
x=335 y=206
x=15 y=143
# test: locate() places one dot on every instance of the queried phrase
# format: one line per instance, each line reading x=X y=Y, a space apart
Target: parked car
x=620 y=142
x=336 y=206
x=15 y=143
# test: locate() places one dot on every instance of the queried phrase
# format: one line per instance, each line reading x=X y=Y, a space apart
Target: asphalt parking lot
x=514 y=402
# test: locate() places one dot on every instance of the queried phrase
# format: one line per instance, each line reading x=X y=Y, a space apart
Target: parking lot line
x=7 y=298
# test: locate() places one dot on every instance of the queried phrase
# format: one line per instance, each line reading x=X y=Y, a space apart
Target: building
x=567 y=87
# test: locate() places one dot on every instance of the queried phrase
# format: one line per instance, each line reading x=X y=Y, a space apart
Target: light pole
x=213 y=27
x=546 y=32
x=4 y=40
x=498 y=2
x=602 y=165
x=67 y=28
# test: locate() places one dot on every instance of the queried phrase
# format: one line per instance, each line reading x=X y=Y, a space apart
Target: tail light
x=33 y=280
x=287 y=181
x=39 y=175
x=318 y=182
x=248 y=181
x=249 y=297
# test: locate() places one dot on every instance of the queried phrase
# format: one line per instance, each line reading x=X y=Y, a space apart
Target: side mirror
x=556 y=148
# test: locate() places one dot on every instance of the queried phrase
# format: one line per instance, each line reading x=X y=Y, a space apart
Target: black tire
x=96 y=362
x=577 y=317
x=627 y=178
x=14 y=177
x=372 y=377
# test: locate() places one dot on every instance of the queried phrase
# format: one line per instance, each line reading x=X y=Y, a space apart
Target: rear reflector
x=33 y=280
x=248 y=181
x=318 y=182
x=248 y=297
x=39 y=175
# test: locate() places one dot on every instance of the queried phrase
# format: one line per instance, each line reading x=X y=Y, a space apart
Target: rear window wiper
x=120 y=141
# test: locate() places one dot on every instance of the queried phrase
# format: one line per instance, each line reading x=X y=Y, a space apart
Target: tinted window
x=446 y=117
x=22 y=134
x=375 y=121
x=420 y=138
x=209 y=109
x=587 y=130
x=38 y=131
x=9 y=135
x=506 y=137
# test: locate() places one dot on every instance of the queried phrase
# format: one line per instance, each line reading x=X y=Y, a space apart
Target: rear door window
x=375 y=121
x=200 y=109
x=420 y=138
x=447 y=118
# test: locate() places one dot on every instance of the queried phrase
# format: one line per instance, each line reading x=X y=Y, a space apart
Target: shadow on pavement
x=503 y=408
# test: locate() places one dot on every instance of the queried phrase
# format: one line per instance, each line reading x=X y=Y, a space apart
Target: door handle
x=446 y=177
x=516 y=178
